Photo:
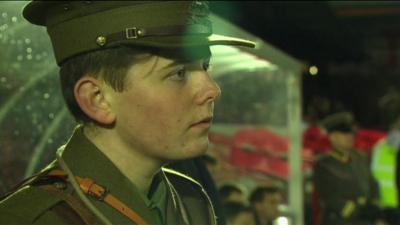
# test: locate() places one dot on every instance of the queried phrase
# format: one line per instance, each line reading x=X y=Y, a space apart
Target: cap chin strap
x=133 y=33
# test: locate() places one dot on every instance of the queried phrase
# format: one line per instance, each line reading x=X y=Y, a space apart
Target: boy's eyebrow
x=184 y=61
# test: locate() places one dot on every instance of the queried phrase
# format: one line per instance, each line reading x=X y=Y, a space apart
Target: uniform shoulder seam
x=32 y=211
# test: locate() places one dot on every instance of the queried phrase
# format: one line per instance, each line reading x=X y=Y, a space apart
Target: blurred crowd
x=261 y=207
x=351 y=174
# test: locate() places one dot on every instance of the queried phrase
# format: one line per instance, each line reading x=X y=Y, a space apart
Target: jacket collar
x=86 y=160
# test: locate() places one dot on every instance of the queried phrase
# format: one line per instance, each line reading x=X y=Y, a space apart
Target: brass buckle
x=103 y=195
x=131 y=33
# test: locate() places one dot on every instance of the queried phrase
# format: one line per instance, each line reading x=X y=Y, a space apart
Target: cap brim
x=216 y=39
x=35 y=11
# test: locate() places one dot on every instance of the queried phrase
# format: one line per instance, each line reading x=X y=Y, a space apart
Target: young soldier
x=134 y=74
x=348 y=194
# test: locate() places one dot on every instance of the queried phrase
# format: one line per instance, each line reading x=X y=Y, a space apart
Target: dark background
x=355 y=45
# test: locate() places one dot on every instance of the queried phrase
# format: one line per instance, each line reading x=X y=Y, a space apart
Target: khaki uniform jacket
x=174 y=199
x=346 y=188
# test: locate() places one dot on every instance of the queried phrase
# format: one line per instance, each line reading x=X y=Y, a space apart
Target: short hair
x=228 y=189
x=111 y=65
x=259 y=193
x=232 y=209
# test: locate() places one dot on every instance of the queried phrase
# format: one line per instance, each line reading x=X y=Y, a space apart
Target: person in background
x=237 y=213
x=231 y=193
x=383 y=167
x=347 y=192
x=265 y=202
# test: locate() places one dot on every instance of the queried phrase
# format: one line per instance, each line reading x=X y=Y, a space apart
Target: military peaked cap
x=342 y=122
x=76 y=27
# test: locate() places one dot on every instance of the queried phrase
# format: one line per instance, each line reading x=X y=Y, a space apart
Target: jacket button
x=101 y=40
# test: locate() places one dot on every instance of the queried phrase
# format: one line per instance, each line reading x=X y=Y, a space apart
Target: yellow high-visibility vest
x=384 y=171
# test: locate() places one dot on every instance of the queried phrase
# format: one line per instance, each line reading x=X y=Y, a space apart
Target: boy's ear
x=91 y=96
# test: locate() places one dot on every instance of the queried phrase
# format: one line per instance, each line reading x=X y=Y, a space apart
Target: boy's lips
x=205 y=122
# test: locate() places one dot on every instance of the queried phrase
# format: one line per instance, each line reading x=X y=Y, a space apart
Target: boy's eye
x=179 y=75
